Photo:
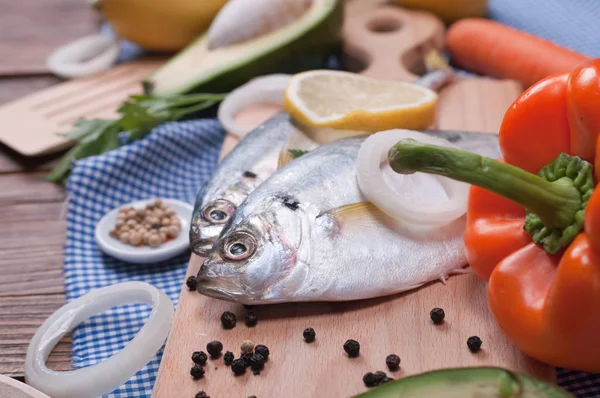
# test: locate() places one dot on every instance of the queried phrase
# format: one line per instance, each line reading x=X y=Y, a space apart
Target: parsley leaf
x=139 y=115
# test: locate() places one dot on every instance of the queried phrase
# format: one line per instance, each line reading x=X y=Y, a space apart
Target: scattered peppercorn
x=437 y=315
x=474 y=343
x=238 y=366
x=369 y=379
x=251 y=319
x=379 y=376
x=214 y=348
x=202 y=394
x=257 y=362
x=247 y=346
x=309 y=335
x=246 y=358
x=228 y=358
x=262 y=350
x=228 y=320
x=352 y=348
x=375 y=379
x=191 y=283
x=199 y=357
x=197 y=371
x=393 y=362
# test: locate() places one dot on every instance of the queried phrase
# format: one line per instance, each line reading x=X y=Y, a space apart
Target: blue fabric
x=172 y=162
x=570 y=23
x=177 y=158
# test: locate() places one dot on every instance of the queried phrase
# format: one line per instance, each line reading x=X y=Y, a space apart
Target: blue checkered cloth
x=173 y=161
x=177 y=158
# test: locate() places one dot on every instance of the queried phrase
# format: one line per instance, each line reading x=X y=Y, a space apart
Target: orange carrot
x=490 y=48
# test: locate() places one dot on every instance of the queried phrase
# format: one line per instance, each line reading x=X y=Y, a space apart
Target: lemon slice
x=347 y=101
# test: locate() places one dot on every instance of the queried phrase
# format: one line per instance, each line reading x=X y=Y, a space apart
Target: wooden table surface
x=32 y=235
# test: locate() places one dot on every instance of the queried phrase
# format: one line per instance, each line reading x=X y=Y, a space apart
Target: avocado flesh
x=301 y=45
x=467 y=383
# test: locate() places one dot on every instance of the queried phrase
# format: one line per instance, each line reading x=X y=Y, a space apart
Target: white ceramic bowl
x=146 y=254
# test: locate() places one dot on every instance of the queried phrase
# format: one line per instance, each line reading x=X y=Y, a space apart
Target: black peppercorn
x=369 y=379
x=228 y=320
x=352 y=348
x=251 y=319
x=437 y=315
x=393 y=362
x=262 y=350
x=197 y=371
x=245 y=356
x=474 y=343
x=228 y=358
x=238 y=366
x=214 y=348
x=309 y=335
x=191 y=282
x=199 y=357
x=257 y=362
x=379 y=376
x=202 y=394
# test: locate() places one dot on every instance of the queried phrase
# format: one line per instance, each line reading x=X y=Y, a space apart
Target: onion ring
x=260 y=90
x=106 y=376
x=85 y=56
x=392 y=192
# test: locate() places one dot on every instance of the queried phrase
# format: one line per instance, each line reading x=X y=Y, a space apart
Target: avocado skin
x=459 y=382
x=308 y=51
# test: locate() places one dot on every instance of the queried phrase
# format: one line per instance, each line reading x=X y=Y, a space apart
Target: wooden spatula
x=30 y=124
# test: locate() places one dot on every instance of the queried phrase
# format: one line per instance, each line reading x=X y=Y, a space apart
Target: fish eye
x=218 y=215
x=239 y=247
x=218 y=211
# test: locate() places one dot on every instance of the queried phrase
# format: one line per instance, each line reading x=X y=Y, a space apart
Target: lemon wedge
x=347 y=101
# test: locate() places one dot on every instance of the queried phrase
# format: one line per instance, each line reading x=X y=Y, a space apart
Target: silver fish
x=252 y=161
x=307 y=234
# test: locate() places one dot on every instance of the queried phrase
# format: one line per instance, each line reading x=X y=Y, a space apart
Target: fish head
x=254 y=259
x=214 y=209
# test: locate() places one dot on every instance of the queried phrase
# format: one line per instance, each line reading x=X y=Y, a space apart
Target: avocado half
x=304 y=44
x=481 y=382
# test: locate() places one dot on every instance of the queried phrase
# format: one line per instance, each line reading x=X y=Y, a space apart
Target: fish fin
x=353 y=210
x=458 y=271
x=361 y=215
x=297 y=143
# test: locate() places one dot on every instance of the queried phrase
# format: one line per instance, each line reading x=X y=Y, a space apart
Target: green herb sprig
x=139 y=115
x=296 y=153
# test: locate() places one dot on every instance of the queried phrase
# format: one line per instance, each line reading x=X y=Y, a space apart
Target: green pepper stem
x=555 y=203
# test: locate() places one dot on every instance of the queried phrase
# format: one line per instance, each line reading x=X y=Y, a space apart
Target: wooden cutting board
x=398 y=324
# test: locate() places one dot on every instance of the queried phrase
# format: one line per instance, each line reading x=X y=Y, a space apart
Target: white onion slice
x=260 y=90
x=85 y=56
x=417 y=198
x=104 y=377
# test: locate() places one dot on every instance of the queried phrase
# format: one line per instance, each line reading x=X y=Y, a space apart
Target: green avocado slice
x=304 y=44
x=481 y=382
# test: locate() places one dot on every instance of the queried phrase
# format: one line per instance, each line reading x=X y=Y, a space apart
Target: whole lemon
x=160 y=25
